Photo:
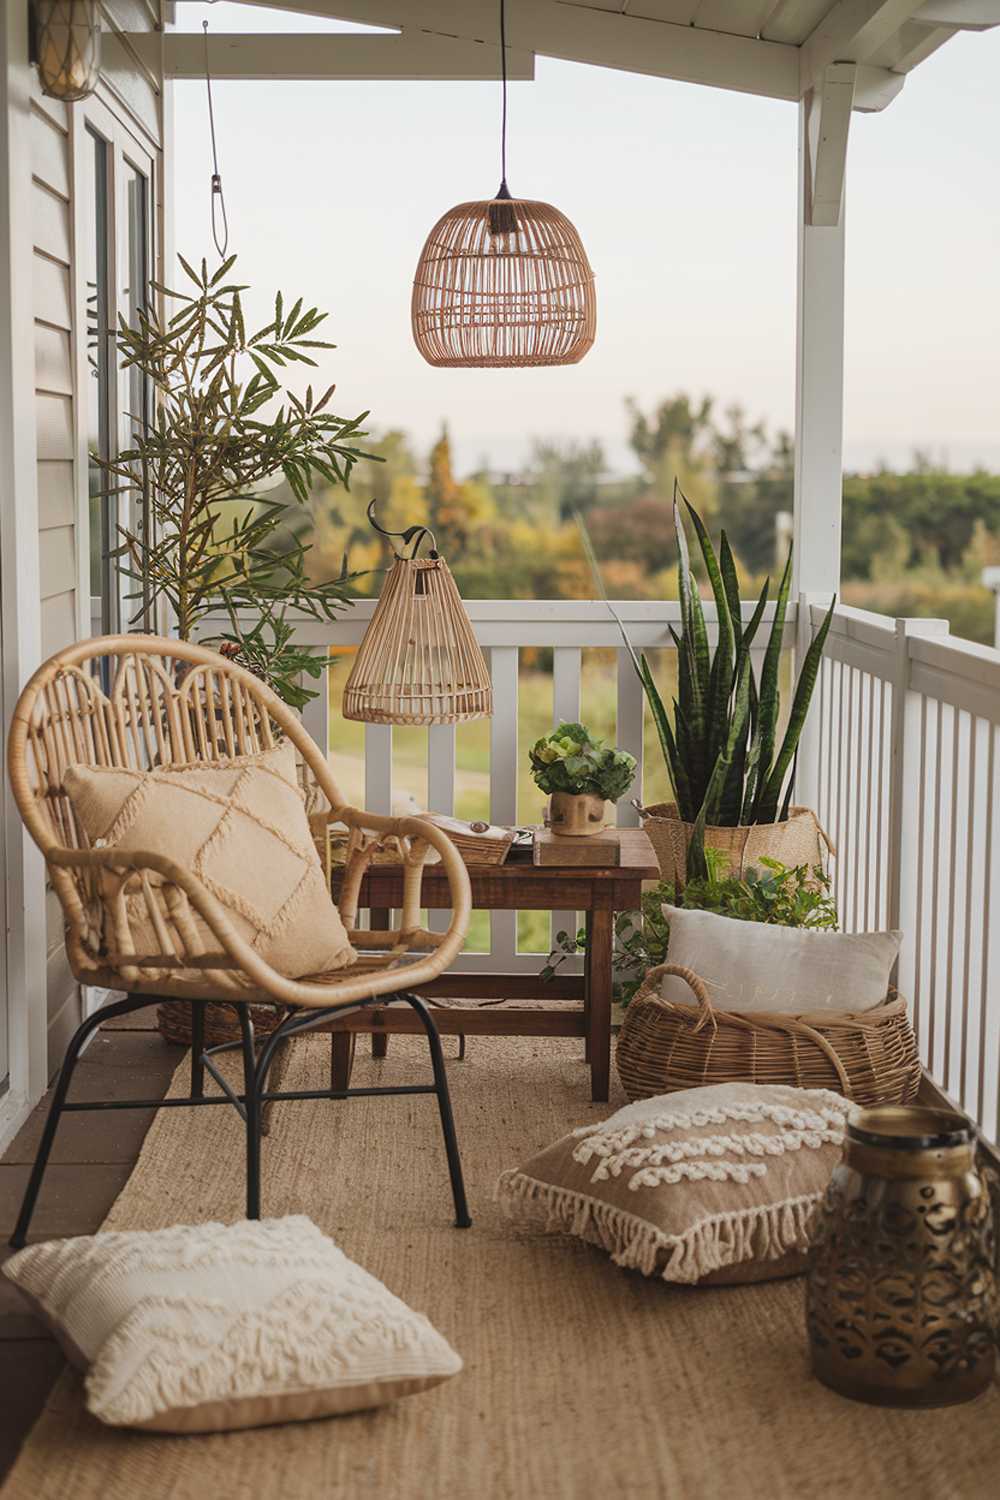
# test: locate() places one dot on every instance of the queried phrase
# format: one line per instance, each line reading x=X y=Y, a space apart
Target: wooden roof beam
x=577 y=34
x=410 y=55
x=854 y=31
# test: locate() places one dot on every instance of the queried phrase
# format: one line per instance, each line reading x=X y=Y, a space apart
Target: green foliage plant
x=203 y=453
x=777 y=894
x=723 y=757
x=572 y=760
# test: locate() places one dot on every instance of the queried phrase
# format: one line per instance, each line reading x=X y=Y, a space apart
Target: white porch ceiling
x=778 y=49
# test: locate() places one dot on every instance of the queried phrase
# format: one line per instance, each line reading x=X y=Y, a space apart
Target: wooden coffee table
x=572 y=1005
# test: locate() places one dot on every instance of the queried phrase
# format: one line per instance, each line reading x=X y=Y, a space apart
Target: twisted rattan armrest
x=415 y=836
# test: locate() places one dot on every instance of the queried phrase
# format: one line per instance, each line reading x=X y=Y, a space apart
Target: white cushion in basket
x=209 y=1327
x=754 y=966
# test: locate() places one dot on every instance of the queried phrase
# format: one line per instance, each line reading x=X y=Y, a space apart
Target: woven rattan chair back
x=142 y=701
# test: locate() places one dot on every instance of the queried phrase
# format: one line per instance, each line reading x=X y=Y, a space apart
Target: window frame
x=126 y=156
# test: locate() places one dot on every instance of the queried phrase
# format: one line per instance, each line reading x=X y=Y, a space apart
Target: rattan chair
x=142 y=701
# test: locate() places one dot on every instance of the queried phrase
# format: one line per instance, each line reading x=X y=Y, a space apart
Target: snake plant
x=721 y=748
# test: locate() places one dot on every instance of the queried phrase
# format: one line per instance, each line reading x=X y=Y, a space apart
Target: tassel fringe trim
x=763 y=1232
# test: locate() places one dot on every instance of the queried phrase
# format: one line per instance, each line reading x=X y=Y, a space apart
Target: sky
x=685 y=198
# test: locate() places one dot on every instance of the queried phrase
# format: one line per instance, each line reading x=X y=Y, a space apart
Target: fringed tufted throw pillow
x=714 y=1184
x=214 y=1327
x=240 y=826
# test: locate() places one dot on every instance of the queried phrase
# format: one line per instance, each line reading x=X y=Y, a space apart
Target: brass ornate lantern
x=66 y=45
x=901 y=1299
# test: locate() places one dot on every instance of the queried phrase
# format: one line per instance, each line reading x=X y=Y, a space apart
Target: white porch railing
x=909 y=790
x=504 y=628
x=901 y=761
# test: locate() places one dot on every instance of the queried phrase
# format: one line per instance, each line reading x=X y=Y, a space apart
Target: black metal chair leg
x=251 y=1092
x=462 y=1216
x=197 y=1048
x=91 y=1024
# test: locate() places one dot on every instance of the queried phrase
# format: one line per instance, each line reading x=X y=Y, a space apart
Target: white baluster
x=503 y=787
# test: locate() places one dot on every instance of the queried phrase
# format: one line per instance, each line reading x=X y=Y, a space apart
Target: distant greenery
x=914 y=543
x=777 y=894
x=572 y=760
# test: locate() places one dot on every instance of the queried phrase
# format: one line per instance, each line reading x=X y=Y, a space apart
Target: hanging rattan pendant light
x=419 y=661
x=505 y=282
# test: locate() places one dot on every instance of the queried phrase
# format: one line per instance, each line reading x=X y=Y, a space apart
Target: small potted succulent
x=581 y=775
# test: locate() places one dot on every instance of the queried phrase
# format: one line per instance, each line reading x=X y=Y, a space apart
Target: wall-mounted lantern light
x=66 y=45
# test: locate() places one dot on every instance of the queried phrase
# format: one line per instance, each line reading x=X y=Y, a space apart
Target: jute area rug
x=580 y=1379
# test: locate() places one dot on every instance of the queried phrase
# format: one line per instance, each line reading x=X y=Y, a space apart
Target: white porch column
x=819 y=425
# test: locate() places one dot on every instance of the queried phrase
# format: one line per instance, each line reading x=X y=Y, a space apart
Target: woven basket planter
x=868 y=1056
x=173 y=1019
x=799 y=840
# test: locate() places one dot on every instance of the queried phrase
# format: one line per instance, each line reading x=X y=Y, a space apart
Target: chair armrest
x=414 y=834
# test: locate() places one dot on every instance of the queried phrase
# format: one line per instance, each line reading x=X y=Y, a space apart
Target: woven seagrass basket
x=173 y=1021
x=868 y=1056
x=798 y=840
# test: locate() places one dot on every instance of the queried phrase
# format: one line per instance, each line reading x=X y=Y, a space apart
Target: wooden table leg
x=341 y=1058
x=600 y=932
x=586 y=990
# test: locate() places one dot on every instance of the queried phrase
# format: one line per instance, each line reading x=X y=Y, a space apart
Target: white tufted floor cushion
x=209 y=1327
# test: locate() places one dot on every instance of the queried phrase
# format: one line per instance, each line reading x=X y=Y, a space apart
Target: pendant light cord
x=220 y=222
x=504 y=191
x=501 y=217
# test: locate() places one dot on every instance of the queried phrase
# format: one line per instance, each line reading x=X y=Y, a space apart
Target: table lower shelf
x=510 y=1009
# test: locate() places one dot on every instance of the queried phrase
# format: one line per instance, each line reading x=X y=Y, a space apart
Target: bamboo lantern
x=419 y=662
x=486 y=296
x=505 y=282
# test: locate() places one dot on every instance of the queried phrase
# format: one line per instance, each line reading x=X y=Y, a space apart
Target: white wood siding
x=130 y=92
x=52 y=240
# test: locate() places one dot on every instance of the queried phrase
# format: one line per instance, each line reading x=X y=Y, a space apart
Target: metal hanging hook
x=220 y=232
x=412 y=537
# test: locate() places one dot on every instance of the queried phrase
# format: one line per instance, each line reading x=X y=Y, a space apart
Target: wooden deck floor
x=91 y=1160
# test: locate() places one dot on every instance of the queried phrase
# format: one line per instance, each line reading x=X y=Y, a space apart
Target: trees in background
x=914 y=542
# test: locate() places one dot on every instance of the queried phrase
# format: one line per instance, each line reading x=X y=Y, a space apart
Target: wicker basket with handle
x=868 y=1056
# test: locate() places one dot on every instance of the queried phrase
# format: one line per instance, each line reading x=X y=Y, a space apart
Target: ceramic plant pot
x=574 y=814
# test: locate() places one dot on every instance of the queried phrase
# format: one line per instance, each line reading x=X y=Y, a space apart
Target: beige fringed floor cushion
x=213 y=1327
x=717 y=1183
x=240 y=826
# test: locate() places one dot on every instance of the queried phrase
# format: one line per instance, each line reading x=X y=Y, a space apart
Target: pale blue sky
x=685 y=199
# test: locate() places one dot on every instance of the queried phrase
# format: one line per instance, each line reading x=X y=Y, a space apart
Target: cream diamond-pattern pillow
x=240 y=826
x=211 y=1327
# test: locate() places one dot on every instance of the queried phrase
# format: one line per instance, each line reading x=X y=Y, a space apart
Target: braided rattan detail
x=869 y=1056
x=139 y=701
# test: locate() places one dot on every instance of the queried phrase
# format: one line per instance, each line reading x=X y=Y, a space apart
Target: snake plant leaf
x=721 y=672
x=675 y=771
x=768 y=800
x=695 y=632
x=697 y=865
x=727 y=567
x=769 y=692
x=785 y=806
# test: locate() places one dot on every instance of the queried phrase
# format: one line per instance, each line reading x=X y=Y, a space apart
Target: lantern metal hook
x=412 y=537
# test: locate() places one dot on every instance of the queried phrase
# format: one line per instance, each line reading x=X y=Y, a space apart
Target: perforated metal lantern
x=504 y=282
x=419 y=662
x=67 y=47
